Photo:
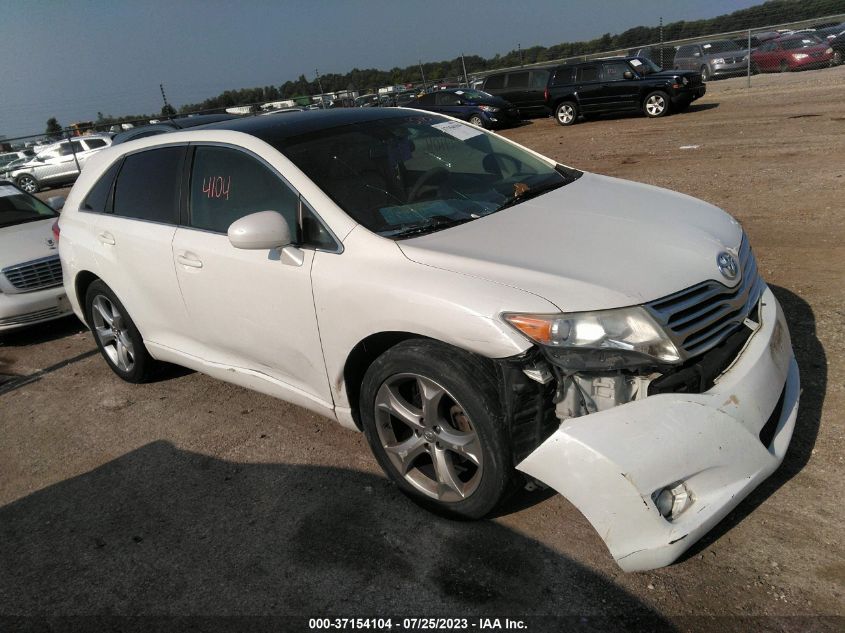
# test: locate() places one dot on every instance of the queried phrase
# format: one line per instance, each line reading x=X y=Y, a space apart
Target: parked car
x=59 y=164
x=476 y=308
x=623 y=84
x=523 y=88
x=168 y=125
x=719 y=58
x=367 y=101
x=663 y=57
x=30 y=271
x=5 y=172
x=837 y=45
x=475 y=106
x=8 y=158
x=756 y=39
x=792 y=52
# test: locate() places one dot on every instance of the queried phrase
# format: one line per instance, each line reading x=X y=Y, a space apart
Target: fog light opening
x=672 y=500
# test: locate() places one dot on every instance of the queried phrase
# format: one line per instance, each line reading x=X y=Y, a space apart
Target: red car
x=792 y=52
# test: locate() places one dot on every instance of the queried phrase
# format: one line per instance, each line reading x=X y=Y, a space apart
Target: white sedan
x=484 y=314
x=30 y=271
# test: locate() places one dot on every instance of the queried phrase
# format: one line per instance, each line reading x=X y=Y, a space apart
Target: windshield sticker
x=459 y=92
x=807 y=42
x=706 y=45
x=216 y=186
x=6 y=191
x=636 y=62
x=458 y=130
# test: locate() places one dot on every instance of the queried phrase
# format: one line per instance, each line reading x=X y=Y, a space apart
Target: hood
x=596 y=243
x=25 y=242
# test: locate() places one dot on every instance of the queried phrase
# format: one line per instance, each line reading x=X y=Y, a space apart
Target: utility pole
x=749 y=58
x=163 y=96
x=466 y=80
x=519 y=48
x=422 y=74
x=320 y=87
x=661 y=41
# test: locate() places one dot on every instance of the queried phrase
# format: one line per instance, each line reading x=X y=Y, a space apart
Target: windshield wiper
x=430 y=227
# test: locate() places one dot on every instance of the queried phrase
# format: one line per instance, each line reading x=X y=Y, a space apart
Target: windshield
x=475 y=95
x=17 y=207
x=722 y=46
x=403 y=176
x=645 y=66
x=805 y=41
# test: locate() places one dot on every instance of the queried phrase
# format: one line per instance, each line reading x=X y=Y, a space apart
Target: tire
x=656 y=104
x=434 y=421
x=705 y=74
x=476 y=120
x=566 y=113
x=116 y=335
x=837 y=58
x=784 y=67
x=755 y=69
x=28 y=183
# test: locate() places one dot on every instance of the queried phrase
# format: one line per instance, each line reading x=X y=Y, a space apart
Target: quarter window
x=563 y=76
x=148 y=185
x=494 y=82
x=227 y=184
x=94 y=143
x=97 y=199
x=518 y=80
x=539 y=78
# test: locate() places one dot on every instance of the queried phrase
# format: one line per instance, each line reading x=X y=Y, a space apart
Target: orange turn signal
x=535 y=328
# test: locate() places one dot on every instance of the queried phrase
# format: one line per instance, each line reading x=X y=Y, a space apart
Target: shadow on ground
x=812 y=364
x=42 y=332
x=162 y=531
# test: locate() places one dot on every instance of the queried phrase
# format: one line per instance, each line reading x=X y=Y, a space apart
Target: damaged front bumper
x=719 y=444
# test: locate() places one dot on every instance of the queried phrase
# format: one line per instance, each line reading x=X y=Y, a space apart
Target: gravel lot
x=191 y=496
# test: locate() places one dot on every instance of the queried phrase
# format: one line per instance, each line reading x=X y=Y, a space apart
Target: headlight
x=719 y=60
x=799 y=55
x=828 y=51
x=487 y=108
x=604 y=339
x=684 y=80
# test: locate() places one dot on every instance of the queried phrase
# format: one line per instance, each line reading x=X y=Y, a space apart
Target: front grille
x=32 y=317
x=699 y=318
x=35 y=275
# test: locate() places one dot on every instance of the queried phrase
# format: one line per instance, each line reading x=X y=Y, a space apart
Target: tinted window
x=148 y=185
x=314 y=233
x=447 y=99
x=614 y=71
x=563 y=76
x=684 y=51
x=97 y=199
x=94 y=143
x=518 y=80
x=17 y=207
x=227 y=184
x=426 y=99
x=539 y=78
x=494 y=82
x=65 y=149
x=588 y=73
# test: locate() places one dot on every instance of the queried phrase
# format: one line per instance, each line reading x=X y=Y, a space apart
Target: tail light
x=56 y=231
x=546 y=94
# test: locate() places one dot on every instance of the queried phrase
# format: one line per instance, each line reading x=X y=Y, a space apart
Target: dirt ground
x=191 y=496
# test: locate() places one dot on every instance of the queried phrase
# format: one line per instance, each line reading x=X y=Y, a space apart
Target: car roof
x=276 y=130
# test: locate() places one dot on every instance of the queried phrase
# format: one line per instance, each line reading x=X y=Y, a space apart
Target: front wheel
x=433 y=418
x=837 y=58
x=656 y=104
x=28 y=183
x=476 y=120
x=116 y=335
x=566 y=113
x=784 y=67
x=705 y=74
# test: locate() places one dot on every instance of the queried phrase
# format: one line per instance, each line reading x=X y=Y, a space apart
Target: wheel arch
x=81 y=283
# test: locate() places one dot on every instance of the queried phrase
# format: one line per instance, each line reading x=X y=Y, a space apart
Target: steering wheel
x=426 y=180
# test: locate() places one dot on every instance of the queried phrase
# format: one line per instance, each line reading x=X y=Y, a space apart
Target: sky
x=71 y=59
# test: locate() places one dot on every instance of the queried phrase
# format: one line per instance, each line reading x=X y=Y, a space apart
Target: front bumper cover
x=609 y=464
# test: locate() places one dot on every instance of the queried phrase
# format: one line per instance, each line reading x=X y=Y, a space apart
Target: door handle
x=190 y=261
x=106 y=238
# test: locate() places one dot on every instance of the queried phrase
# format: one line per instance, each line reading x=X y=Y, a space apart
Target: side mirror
x=628 y=74
x=56 y=202
x=260 y=231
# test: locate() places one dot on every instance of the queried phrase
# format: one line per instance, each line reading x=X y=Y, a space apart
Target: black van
x=523 y=88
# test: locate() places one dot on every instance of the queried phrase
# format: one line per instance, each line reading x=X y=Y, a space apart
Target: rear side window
x=539 y=78
x=494 y=82
x=447 y=99
x=615 y=71
x=563 y=76
x=94 y=143
x=148 y=185
x=518 y=80
x=227 y=184
x=588 y=73
x=98 y=198
x=684 y=51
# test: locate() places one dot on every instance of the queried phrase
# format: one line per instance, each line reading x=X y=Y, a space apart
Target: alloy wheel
x=655 y=105
x=110 y=328
x=428 y=437
x=28 y=184
x=565 y=113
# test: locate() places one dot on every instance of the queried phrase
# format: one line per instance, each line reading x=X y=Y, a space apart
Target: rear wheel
x=784 y=67
x=705 y=73
x=28 y=183
x=755 y=69
x=117 y=338
x=566 y=113
x=434 y=422
x=656 y=104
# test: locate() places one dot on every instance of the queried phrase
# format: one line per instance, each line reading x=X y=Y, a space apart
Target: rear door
x=517 y=90
x=450 y=103
x=589 y=88
x=248 y=309
x=133 y=242
x=535 y=95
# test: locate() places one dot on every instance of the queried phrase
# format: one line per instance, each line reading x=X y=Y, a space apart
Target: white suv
x=60 y=163
x=475 y=308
